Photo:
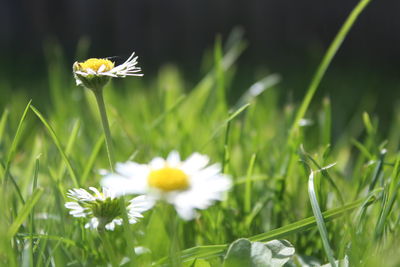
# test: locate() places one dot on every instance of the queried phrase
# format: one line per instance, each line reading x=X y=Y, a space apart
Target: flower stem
x=172 y=225
x=104 y=120
x=109 y=250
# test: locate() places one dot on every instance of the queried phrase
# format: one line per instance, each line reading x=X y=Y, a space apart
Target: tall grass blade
x=326 y=61
x=15 y=141
x=58 y=145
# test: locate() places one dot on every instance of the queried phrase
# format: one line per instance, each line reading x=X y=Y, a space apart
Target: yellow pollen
x=168 y=179
x=96 y=63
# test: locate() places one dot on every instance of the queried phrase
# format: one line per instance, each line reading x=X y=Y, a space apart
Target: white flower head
x=94 y=73
x=103 y=208
x=188 y=185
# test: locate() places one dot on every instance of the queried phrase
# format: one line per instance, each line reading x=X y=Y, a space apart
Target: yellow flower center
x=96 y=63
x=168 y=179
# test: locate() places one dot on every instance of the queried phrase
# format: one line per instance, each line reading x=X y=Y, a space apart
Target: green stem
x=171 y=224
x=104 y=120
x=174 y=236
x=107 y=246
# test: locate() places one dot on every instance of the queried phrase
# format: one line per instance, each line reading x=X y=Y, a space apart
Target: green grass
x=50 y=145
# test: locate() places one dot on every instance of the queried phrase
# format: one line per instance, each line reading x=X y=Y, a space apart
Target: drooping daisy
x=103 y=209
x=94 y=73
x=188 y=184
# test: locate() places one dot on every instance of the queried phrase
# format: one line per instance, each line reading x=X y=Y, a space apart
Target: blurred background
x=288 y=37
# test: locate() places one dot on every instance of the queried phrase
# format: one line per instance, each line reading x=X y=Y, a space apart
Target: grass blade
x=284 y=231
x=11 y=154
x=320 y=220
x=257 y=89
x=232 y=116
x=59 y=146
x=24 y=212
x=70 y=144
x=15 y=141
x=3 y=122
x=247 y=190
x=92 y=158
x=392 y=196
x=326 y=61
x=31 y=219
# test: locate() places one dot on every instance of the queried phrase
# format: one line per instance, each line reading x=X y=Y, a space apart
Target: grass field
x=331 y=201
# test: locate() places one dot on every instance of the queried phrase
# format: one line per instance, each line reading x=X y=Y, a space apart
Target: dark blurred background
x=284 y=36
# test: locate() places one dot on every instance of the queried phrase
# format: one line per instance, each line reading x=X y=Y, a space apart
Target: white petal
x=92 y=224
x=108 y=73
x=80 y=194
x=203 y=193
x=130 y=168
x=90 y=71
x=141 y=204
x=118 y=221
x=174 y=159
x=110 y=226
x=102 y=68
x=130 y=58
x=108 y=193
x=157 y=163
x=76 y=210
x=73 y=205
x=195 y=163
x=185 y=212
x=82 y=73
x=122 y=185
x=97 y=192
x=206 y=174
x=141 y=250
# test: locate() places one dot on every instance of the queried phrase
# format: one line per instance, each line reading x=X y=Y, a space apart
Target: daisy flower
x=94 y=73
x=188 y=185
x=103 y=209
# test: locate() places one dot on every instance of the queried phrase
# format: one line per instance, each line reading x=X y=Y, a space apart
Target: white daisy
x=188 y=184
x=96 y=72
x=103 y=209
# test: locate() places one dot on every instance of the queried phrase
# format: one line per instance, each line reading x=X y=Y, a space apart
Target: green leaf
x=282 y=251
x=242 y=252
x=239 y=254
x=261 y=255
